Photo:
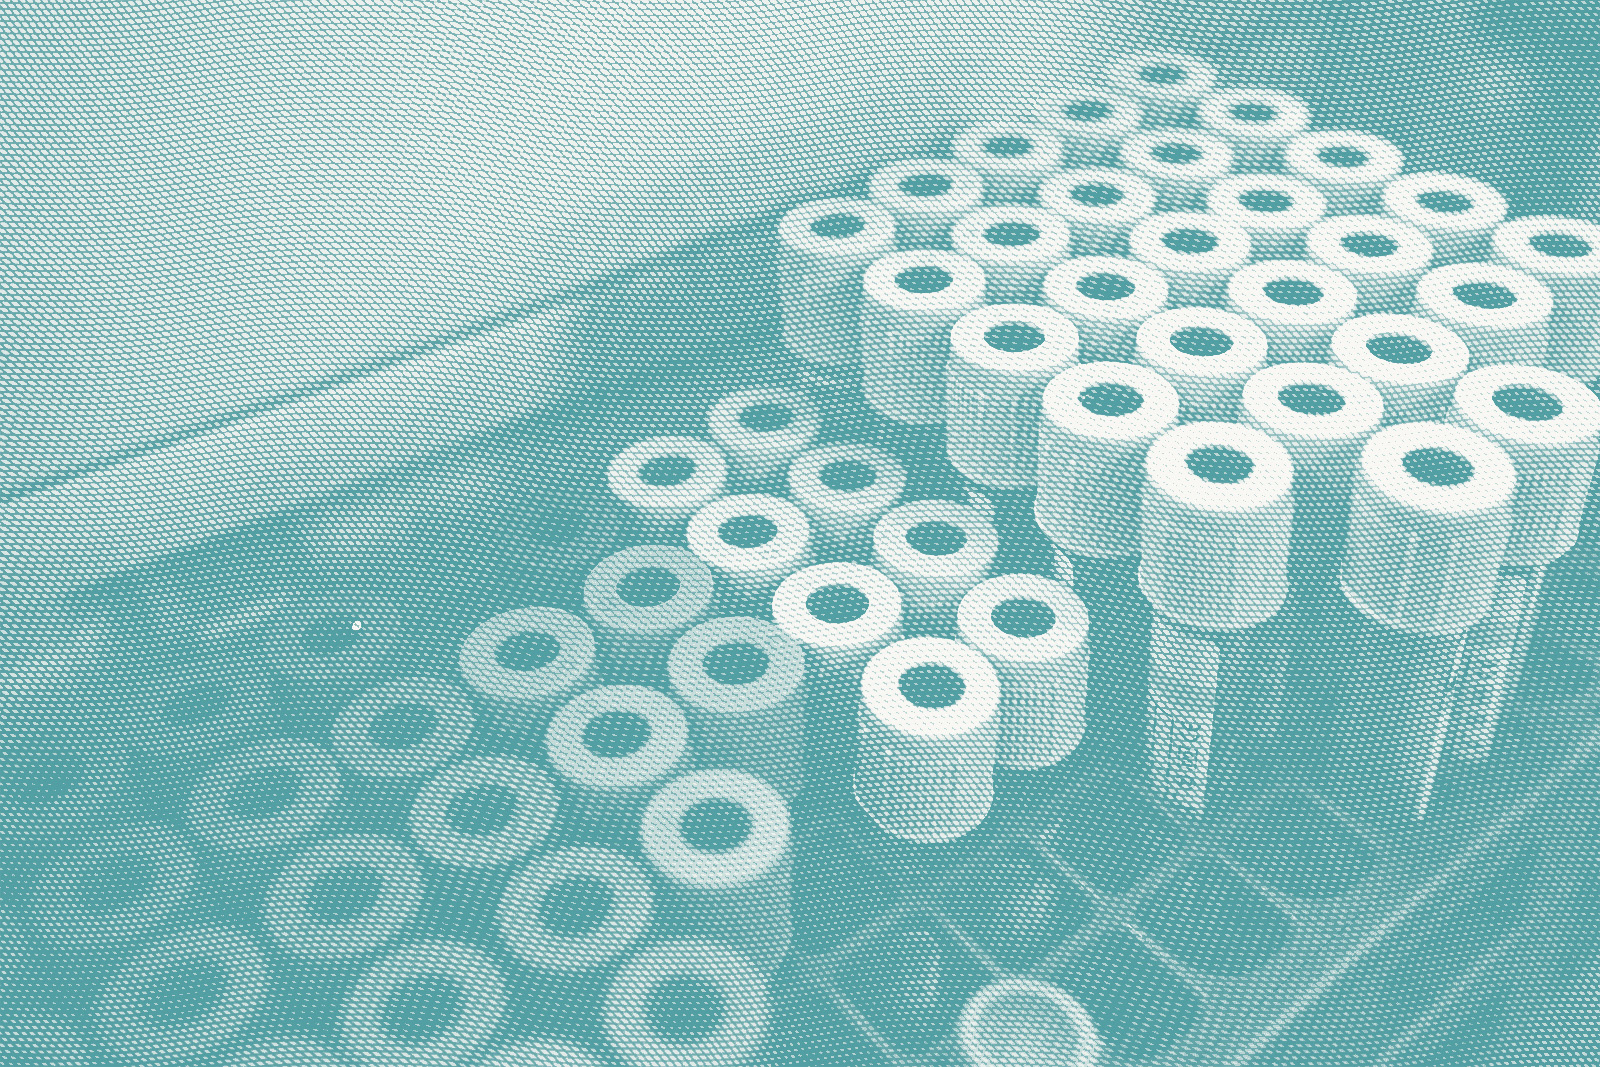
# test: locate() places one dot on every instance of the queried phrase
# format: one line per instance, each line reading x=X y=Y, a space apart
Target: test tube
x=1197 y=253
x=1015 y=245
x=1168 y=84
x=753 y=541
x=1099 y=418
x=1351 y=168
x=1179 y=164
x=1413 y=362
x=298 y=931
x=1297 y=305
x=1383 y=258
x=1565 y=255
x=1024 y=1022
x=1013 y=157
x=1429 y=519
x=1458 y=214
x=1257 y=122
x=641 y=598
x=926 y=196
x=362 y=734
x=912 y=299
x=1091 y=121
x=1549 y=424
x=469 y=974
x=720 y=838
x=823 y=248
x=929 y=731
x=1001 y=358
x=1274 y=209
x=1035 y=632
x=1106 y=298
x=934 y=551
x=611 y=747
x=761 y=430
x=222 y=822
x=519 y=660
x=843 y=488
x=632 y=1015
x=1205 y=354
x=667 y=479
x=1215 y=528
x=741 y=679
x=841 y=613
x=530 y=930
x=78 y=900
x=1100 y=205
x=1502 y=314
x=436 y=824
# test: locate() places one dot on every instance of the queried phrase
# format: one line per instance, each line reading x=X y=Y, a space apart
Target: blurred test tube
x=912 y=299
x=823 y=247
x=1413 y=362
x=1015 y=245
x=1196 y=252
x=1457 y=213
x=1092 y=122
x=1106 y=298
x=1180 y=164
x=1351 y=168
x=1100 y=205
x=1298 y=305
x=761 y=431
x=1274 y=209
x=1013 y=157
x=927 y=196
x=934 y=551
x=640 y=600
x=1256 y=122
x=667 y=479
x=1206 y=355
x=1383 y=258
x=1565 y=255
x=1168 y=84
x=1502 y=314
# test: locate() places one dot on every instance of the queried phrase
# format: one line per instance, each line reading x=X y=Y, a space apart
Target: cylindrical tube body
x=1197 y=253
x=1215 y=523
x=1565 y=255
x=521 y=660
x=1350 y=168
x=667 y=479
x=640 y=599
x=823 y=247
x=1298 y=305
x=929 y=732
x=1274 y=209
x=1001 y=358
x=844 y=488
x=1035 y=632
x=1502 y=314
x=1413 y=362
x=720 y=838
x=742 y=681
x=1106 y=298
x=1256 y=122
x=753 y=541
x=912 y=299
x=1015 y=245
x=934 y=551
x=1179 y=164
x=610 y=748
x=1207 y=356
x=761 y=430
x=1100 y=205
x=1092 y=122
x=926 y=196
x=841 y=613
x=1382 y=256
x=1013 y=158
x=1099 y=419
x=1168 y=84
x=1457 y=213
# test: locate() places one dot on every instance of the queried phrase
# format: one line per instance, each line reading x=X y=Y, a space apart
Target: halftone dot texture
x=330 y=719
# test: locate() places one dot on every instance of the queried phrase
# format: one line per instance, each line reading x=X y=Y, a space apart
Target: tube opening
x=847 y=476
x=1343 y=156
x=1253 y=112
x=747 y=531
x=1007 y=147
x=1105 y=286
x=925 y=185
x=715 y=825
x=423 y=1008
x=647 y=587
x=1294 y=292
x=1265 y=201
x=838 y=226
x=1013 y=337
x=575 y=906
x=1486 y=295
x=766 y=418
x=482 y=811
x=1310 y=398
x=1162 y=74
x=1437 y=466
x=735 y=663
x=924 y=280
x=1022 y=617
x=936 y=538
x=1399 y=348
x=615 y=734
x=1175 y=152
x=1190 y=242
x=527 y=652
x=1096 y=194
x=343 y=894
x=837 y=604
x=1444 y=202
x=662 y=471
x=1111 y=399
x=1370 y=245
x=1562 y=245
x=1200 y=341
x=932 y=685
x=685 y=1010
x=1087 y=110
x=259 y=794
x=1527 y=402
x=1219 y=464
x=1011 y=234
